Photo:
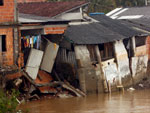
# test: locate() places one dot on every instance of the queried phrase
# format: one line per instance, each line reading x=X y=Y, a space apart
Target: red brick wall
x=148 y=46
x=22 y=1
x=7 y=57
x=7 y=11
x=54 y=30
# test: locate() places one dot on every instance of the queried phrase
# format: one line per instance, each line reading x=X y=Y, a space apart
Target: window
x=3 y=43
x=91 y=49
x=1 y=2
x=107 y=51
x=140 y=41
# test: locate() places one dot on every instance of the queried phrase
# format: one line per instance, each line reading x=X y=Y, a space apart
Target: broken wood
x=56 y=75
x=66 y=85
x=71 y=88
x=26 y=75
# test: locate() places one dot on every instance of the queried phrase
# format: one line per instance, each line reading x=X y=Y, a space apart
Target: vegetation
x=107 y=5
x=8 y=102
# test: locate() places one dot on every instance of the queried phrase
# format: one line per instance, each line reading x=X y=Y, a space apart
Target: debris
x=33 y=83
x=32 y=88
x=35 y=97
x=18 y=82
x=71 y=88
x=45 y=78
x=131 y=89
x=49 y=56
x=64 y=95
x=141 y=85
x=33 y=63
x=13 y=75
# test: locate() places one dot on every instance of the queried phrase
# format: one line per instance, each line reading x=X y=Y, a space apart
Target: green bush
x=8 y=101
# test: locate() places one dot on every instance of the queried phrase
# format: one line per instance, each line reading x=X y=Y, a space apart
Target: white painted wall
x=83 y=55
x=122 y=59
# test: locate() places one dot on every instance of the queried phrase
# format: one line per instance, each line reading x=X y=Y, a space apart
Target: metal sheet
x=49 y=56
x=33 y=63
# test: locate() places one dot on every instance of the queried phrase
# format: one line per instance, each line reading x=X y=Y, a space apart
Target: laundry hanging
x=31 y=42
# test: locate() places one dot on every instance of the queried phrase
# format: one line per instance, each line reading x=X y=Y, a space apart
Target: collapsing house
x=30 y=41
x=109 y=55
x=95 y=56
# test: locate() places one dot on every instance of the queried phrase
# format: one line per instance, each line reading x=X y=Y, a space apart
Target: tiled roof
x=48 y=9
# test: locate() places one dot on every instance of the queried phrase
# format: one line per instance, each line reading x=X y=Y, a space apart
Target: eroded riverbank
x=137 y=101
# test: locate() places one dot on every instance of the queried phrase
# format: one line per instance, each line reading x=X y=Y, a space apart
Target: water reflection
x=128 y=102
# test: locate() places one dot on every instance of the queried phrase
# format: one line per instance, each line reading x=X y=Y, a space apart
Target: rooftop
x=130 y=13
x=49 y=9
x=118 y=26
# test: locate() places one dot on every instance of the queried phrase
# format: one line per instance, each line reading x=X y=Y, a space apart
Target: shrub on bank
x=8 y=102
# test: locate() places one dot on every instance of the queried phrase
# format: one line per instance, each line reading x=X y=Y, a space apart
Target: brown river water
x=118 y=102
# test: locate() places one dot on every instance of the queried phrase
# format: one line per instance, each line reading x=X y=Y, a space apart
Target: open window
x=91 y=49
x=127 y=43
x=107 y=51
x=140 y=41
x=1 y=2
x=3 y=43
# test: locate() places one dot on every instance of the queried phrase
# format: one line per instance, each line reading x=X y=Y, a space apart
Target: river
x=128 y=102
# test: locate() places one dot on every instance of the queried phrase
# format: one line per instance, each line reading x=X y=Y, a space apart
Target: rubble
x=43 y=86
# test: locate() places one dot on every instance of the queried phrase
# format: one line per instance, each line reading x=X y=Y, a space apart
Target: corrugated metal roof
x=106 y=30
x=130 y=13
x=145 y=10
x=116 y=26
x=92 y=33
x=143 y=23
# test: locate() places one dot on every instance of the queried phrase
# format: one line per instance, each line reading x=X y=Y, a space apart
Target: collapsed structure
x=94 y=54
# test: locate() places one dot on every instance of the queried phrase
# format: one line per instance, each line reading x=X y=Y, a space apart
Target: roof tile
x=48 y=9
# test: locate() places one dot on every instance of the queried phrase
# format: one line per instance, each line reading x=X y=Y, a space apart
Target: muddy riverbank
x=118 y=102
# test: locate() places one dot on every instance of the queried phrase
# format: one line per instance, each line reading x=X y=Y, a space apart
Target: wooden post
x=133 y=45
x=102 y=73
x=106 y=50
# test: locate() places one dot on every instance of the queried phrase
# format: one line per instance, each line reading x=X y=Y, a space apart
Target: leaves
x=8 y=102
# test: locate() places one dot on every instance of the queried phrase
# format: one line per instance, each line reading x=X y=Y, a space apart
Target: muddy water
x=127 y=102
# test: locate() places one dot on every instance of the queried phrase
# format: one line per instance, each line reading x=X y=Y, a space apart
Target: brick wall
x=54 y=30
x=7 y=57
x=148 y=46
x=7 y=11
x=22 y=1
